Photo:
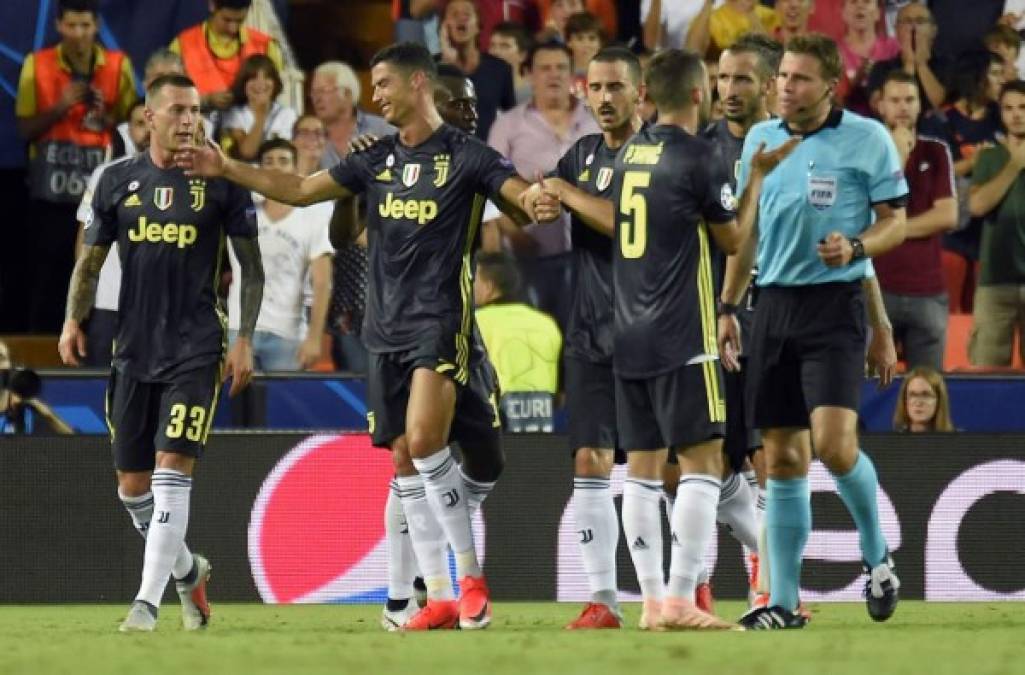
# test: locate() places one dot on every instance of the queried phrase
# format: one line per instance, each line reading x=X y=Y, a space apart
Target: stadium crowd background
x=297 y=71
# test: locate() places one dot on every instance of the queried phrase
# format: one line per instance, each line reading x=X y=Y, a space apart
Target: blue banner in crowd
x=309 y=401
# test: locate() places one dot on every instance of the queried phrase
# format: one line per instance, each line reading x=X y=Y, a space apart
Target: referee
x=836 y=200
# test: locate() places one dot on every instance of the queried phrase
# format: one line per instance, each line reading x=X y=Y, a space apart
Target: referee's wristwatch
x=857 y=249
x=726 y=309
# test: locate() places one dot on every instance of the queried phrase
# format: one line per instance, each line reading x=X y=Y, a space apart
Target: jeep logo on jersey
x=163 y=197
x=410 y=174
x=170 y=233
x=422 y=211
x=604 y=178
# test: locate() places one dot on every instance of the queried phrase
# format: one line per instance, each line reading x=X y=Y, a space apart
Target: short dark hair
x=1012 y=86
x=768 y=51
x=500 y=269
x=1002 y=35
x=900 y=76
x=671 y=76
x=548 y=46
x=968 y=76
x=91 y=6
x=823 y=49
x=173 y=80
x=584 y=22
x=617 y=54
x=408 y=57
x=518 y=32
x=250 y=68
x=277 y=144
x=232 y=4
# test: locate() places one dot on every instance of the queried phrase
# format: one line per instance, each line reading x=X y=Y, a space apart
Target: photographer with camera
x=21 y=411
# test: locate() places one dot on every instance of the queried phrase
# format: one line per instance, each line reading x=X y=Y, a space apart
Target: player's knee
x=133 y=483
x=592 y=463
x=786 y=462
x=484 y=464
x=423 y=442
x=832 y=447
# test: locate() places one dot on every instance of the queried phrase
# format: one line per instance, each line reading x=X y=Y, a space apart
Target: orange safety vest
x=210 y=73
x=51 y=80
x=66 y=154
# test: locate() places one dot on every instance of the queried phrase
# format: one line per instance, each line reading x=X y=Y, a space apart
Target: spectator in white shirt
x=256 y=116
x=294 y=242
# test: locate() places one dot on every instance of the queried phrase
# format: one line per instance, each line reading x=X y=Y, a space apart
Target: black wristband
x=726 y=309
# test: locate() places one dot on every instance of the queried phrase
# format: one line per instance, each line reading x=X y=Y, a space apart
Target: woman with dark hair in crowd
x=923 y=403
x=256 y=116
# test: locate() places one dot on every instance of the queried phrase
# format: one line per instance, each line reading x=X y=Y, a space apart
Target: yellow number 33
x=176 y=425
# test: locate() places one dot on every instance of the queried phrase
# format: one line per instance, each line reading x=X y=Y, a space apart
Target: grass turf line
x=525 y=638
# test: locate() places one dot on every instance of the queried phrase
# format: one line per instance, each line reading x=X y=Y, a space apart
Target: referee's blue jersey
x=828 y=183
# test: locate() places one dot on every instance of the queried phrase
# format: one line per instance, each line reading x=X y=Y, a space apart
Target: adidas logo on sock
x=639 y=544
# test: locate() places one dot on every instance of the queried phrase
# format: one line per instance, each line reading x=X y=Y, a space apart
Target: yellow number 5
x=633 y=234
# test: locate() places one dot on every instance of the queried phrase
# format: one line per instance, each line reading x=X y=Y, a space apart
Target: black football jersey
x=170 y=230
x=666 y=197
x=590 y=165
x=725 y=162
x=424 y=207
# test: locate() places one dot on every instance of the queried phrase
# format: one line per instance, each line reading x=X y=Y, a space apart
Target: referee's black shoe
x=881 y=590
x=771 y=618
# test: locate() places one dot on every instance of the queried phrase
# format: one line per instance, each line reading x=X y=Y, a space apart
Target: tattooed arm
x=81 y=296
x=239 y=366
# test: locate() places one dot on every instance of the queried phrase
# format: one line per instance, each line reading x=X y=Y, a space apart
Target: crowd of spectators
x=943 y=76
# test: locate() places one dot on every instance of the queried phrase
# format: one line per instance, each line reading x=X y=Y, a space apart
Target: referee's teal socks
x=858 y=489
x=787 y=524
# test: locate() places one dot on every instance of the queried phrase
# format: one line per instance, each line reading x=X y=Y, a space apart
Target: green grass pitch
x=525 y=639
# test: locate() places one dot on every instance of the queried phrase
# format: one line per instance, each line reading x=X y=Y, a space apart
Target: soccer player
x=169 y=356
x=614 y=90
x=425 y=189
x=669 y=210
x=837 y=200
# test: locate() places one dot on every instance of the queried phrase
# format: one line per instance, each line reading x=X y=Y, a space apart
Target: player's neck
x=685 y=119
x=615 y=138
x=162 y=158
x=421 y=127
x=739 y=128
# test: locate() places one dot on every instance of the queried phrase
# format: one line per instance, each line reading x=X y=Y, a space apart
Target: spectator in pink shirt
x=862 y=46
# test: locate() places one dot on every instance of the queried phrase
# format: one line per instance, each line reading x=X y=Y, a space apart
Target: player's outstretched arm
x=81 y=296
x=210 y=161
x=595 y=212
x=510 y=201
x=239 y=366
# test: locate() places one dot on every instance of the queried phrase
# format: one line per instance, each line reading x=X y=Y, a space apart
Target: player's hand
x=729 y=342
x=71 y=345
x=308 y=352
x=835 y=250
x=207 y=160
x=763 y=162
x=548 y=207
x=239 y=366
x=882 y=356
x=363 y=143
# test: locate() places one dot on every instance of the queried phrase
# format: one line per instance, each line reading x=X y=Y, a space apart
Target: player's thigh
x=432 y=403
x=689 y=406
x=772 y=380
x=476 y=426
x=702 y=458
x=132 y=413
x=388 y=379
x=188 y=403
x=590 y=405
x=832 y=350
x=636 y=423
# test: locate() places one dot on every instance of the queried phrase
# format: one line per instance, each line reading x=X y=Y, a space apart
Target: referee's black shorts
x=806 y=350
